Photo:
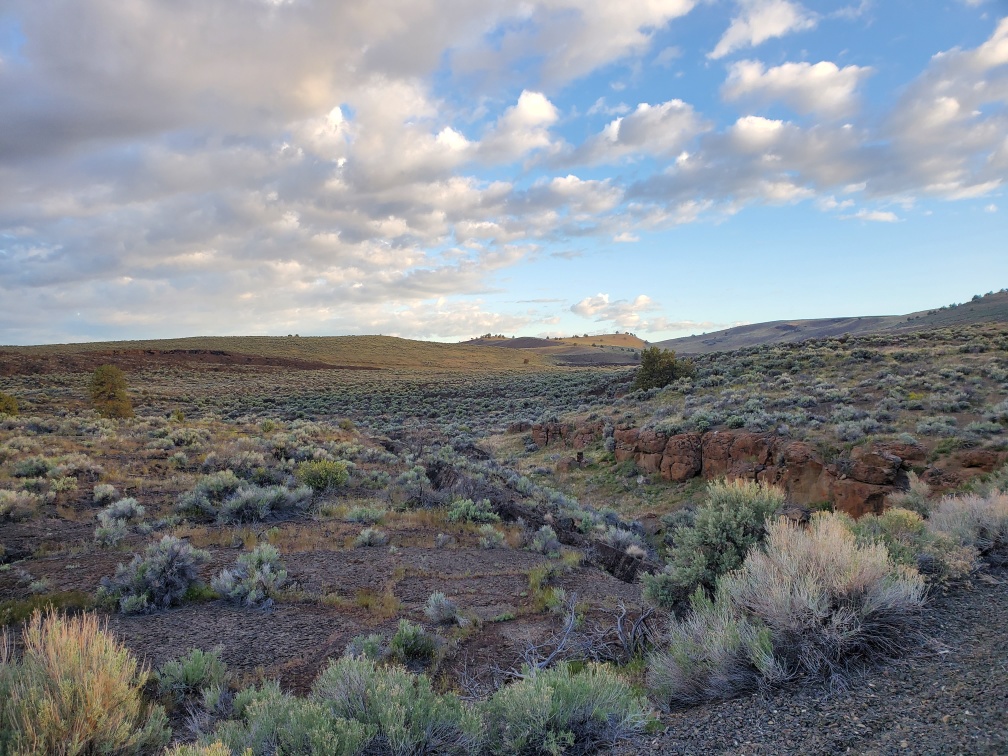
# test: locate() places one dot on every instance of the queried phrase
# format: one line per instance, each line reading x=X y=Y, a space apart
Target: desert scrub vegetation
x=74 y=690
x=975 y=521
x=659 y=367
x=185 y=679
x=560 y=710
x=109 y=392
x=114 y=519
x=723 y=529
x=440 y=609
x=256 y=580
x=810 y=603
x=228 y=499
x=466 y=510
x=322 y=475
x=8 y=404
x=160 y=578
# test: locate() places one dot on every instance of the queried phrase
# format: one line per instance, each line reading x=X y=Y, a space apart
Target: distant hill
x=604 y=349
x=294 y=352
x=990 y=308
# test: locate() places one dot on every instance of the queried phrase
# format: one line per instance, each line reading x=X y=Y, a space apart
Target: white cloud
x=662 y=129
x=807 y=88
x=522 y=128
x=760 y=20
x=878 y=216
x=621 y=313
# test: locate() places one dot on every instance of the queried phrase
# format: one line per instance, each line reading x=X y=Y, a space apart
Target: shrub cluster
x=358 y=705
x=729 y=523
x=322 y=475
x=75 y=690
x=112 y=521
x=229 y=499
x=256 y=579
x=158 y=579
x=186 y=678
x=810 y=602
x=466 y=510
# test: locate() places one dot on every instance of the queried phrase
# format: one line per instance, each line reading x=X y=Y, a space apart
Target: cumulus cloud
x=661 y=130
x=760 y=20
x=807 y=88
x=621 y=313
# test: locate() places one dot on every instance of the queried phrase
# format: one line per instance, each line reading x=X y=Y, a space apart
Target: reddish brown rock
x=651 y=442
x=649 y=463
x=857 y=498
x=938 y=478
x=906 y=452
x=626 y=443
x=519 y=427
x=716 y=454
x=871 y=465
x=682 y=458
x=982 y=459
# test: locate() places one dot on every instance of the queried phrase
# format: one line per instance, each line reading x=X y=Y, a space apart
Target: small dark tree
x=8 y=404
x=659 y=367
x=108 y=392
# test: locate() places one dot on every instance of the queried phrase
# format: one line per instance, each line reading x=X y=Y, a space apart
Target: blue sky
x=439 y=170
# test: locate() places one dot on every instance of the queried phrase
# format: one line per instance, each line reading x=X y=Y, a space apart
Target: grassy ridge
x=344 y=351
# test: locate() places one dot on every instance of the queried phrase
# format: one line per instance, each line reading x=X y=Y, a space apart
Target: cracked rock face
x=856 y=485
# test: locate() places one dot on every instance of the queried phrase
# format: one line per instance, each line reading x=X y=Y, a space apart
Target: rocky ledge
x=857 y=483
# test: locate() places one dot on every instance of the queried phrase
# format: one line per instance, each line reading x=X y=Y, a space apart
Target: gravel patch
x=950 y=696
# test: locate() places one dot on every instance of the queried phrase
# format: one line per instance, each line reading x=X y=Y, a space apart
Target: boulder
x=982 y=459
x=872 y=465
x=683 y=457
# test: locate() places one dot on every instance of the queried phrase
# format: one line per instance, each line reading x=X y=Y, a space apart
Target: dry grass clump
x=828 y=601
x=809 y=602
x=714 y=653
x=977 y=521
x=76 y=690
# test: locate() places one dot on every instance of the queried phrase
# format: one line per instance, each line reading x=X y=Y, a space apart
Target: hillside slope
x=987 y=309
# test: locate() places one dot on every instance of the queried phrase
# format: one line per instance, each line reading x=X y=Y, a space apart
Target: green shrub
x=659 y=368
x=370 y=646
x=158 y=579
x=910 y=542
x=32 y=467
x=256 y=580
x=322 y=475
x=109 y=393
x=714 y=653
x=545 y=542
x=725 y=527
x=466 y=510
x=76 y=690
x=185 y=678
x=412 y=644
x=400 y=710
x=271 y=722
x=559 y=711
x=366 y=515
x=490 y=537
x=104 y=493
x=8 y=404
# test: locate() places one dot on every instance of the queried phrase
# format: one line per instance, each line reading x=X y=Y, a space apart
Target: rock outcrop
x=857 y=484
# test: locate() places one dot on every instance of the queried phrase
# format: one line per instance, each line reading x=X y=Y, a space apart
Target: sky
x=440 y=169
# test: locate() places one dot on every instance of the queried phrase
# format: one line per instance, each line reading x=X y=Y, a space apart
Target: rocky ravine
x=856 y=484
